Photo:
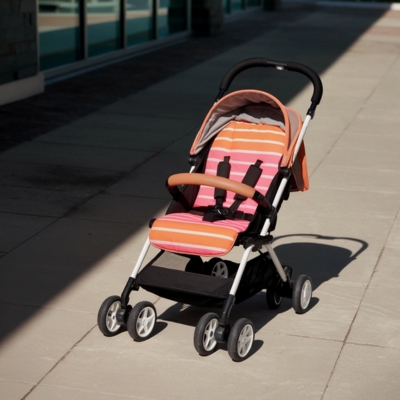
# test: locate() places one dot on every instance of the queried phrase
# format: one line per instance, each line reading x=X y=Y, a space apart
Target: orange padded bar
x=213 y=181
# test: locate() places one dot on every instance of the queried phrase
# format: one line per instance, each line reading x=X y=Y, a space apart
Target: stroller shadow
x=313 y=257
x=317 y=257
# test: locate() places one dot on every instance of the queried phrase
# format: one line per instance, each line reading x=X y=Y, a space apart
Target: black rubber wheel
x=204 y=334
x=240 y=339
x=141 y=321
x=302 y=294
x=217 y=267
x=107 y=316
x=274 y=299
x=195 y=265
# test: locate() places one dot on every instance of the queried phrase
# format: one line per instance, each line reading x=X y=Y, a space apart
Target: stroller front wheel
x=241 y=339
x=302 y=293
x=107 y=316
x=204 y=334
x=141 y=321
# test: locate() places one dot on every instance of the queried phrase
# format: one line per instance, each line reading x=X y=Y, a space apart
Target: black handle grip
x=264 y=62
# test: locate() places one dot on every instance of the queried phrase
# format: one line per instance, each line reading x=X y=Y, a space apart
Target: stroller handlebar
x=264 y=62
x=218 y=182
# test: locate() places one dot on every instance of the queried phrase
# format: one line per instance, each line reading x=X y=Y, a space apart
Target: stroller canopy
x=257 y=107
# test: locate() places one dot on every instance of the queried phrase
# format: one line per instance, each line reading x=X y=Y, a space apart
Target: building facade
x=43 y=39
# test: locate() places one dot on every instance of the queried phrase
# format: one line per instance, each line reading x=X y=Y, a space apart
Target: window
x=104 y=26
x=59 y=32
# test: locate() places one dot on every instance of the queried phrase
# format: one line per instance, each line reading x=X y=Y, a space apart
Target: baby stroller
x=246 y=159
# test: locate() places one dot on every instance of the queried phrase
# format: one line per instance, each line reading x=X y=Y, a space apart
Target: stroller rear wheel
x=274 y=299
x=217 y=267
x=241 y=339
x=107 y=316
x=302 y=293
x=141 y=321
x=204 y=334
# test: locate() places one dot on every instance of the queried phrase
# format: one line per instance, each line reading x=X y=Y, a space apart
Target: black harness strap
x=252 y=175
x=218 y=212
x=223 y=170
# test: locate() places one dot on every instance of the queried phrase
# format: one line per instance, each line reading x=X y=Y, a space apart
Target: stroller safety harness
x=247 y=157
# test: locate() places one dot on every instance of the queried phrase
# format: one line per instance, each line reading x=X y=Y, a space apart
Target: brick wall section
x=18 y=47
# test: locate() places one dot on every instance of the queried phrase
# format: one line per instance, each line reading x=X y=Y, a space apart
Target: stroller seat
x=239 y=145
x=187 y=233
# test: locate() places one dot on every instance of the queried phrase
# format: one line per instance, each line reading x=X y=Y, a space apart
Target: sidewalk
x=77 y=198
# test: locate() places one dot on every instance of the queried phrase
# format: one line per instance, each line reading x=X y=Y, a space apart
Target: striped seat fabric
x=244 y=143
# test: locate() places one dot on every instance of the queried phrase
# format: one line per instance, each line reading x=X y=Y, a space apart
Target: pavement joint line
x=106 y=221
x=75 y=168
x=29 y=188
x=32 y=215
x=92 y=146
x=118 y=178
x=30 y=237
x=88 y=146
x=47 y=308
x=305 y=337
x=345 y=129
x=59 y=361
x=345 y=341
x=122 y=396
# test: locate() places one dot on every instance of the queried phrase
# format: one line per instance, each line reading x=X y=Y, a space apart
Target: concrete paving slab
x=367 y=372
x=38 y=152
x=149 y=179
x=35 y=341
x=354 y=157
x=189 y=375
x=379 y=180
x=15 y=390
x=38 y=202
x=354 y=202
x=173 y=105
x=64 y=393
x=43 y=176
x=20 y=228
x=394 y=237
x=132 y=139
x=61 y=254
x=121 y=209
x=378 y=322
x=364 y=124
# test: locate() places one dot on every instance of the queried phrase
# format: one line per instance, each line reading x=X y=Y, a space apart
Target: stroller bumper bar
x=216 y=182
x=264 y=62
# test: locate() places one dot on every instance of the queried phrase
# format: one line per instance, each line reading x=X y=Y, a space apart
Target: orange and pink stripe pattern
x=244 y=143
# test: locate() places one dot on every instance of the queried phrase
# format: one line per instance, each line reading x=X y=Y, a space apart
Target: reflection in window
x=139 y=21
x=236 y=5
x=252 y=3
x=59 y=32
x=172 y=17
x=104 y=26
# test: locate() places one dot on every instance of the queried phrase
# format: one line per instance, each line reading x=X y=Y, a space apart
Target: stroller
x=246 y=159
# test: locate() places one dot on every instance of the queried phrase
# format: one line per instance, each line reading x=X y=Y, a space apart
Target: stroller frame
x=116 y=314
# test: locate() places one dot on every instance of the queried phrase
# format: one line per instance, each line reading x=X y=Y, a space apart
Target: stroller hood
x=257 y=107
